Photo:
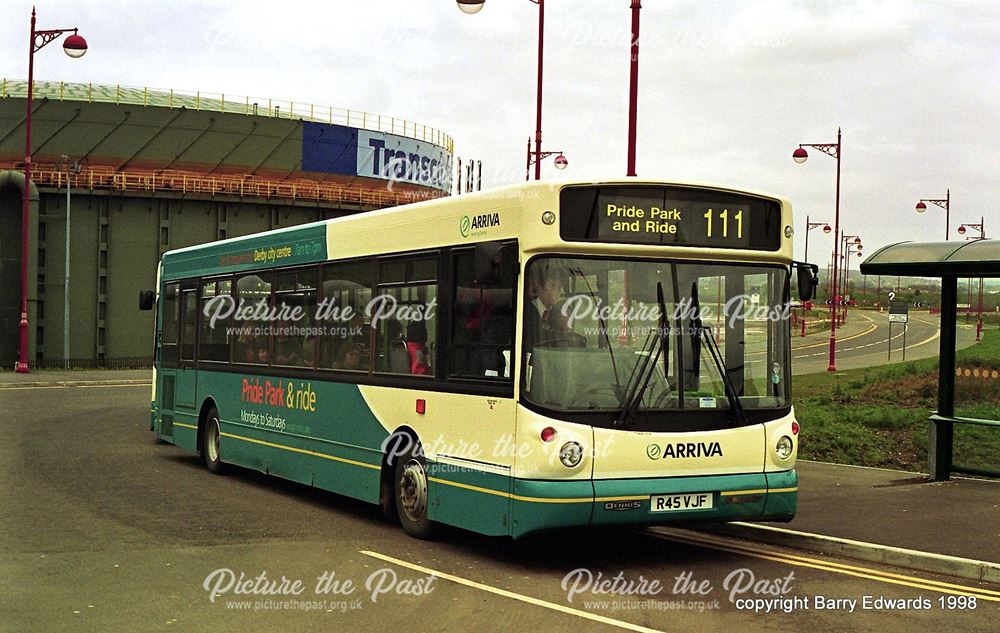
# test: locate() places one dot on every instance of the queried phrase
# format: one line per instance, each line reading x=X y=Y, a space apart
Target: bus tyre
x=411 y=493
x=211 y=434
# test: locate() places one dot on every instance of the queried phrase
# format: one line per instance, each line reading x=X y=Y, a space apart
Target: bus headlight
x=570 y=454
x=784 y=447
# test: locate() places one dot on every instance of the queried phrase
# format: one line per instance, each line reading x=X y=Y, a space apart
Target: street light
x=471 y=6
x=74 y=46
x=848 y=242
x=809 y=227
x=981 y=227
x=560 y=161
x=944 y=204
x=474 y=6
x=800 y=156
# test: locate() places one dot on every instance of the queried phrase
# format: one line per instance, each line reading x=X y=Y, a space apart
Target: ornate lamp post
x=534 y=158
x=981 y=227
x=849 y=242
x=800 y=156
x=809 y=227
x=944 y=204
x=74 y=46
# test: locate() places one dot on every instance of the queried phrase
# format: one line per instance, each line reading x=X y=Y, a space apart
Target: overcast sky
x=726 y=89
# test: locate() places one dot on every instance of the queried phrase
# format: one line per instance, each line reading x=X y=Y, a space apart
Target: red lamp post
x=74 y=46
x=633 y=94
x=809 y=227
x=849 y=241
x=944 y=204
x=533 y=157
x=800 y=156
x=981 y=227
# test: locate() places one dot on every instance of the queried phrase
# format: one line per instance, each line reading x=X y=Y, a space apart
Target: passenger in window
x=248 y=352
x=416 y=347
x=350 y=358
x=286 y=352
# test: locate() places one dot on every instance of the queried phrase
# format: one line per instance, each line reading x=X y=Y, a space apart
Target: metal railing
x=115 y=362
x=239 y=185
x=218 y=102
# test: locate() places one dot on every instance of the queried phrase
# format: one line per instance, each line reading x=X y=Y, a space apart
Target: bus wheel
x=210 y=443
x=411 y=494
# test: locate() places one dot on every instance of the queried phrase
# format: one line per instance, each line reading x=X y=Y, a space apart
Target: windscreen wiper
x=646 y=367
x=713 y=349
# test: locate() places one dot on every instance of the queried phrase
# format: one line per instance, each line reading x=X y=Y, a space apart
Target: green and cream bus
x=529 y=358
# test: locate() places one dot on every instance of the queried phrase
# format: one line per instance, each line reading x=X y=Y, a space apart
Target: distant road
x=864 y=342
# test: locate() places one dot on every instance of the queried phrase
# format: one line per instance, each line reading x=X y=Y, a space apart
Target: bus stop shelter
x=948 y=261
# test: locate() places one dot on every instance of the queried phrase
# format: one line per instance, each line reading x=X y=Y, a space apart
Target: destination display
x=675 y=216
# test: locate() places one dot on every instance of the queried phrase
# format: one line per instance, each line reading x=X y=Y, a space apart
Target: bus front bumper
x=542 y=505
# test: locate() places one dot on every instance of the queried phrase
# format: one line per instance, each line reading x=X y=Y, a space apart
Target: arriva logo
x=477 y=224
x=684 y=450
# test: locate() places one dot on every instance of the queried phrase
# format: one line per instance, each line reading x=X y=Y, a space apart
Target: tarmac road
x=864 y=342
x=104 y=529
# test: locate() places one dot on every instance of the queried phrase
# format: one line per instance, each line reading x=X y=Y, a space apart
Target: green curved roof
x=978 y=258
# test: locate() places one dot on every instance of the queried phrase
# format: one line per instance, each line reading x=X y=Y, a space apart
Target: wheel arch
x=206 y=406
x=390 y=446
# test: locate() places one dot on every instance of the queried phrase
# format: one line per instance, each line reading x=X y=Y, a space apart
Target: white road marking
x=512 y=595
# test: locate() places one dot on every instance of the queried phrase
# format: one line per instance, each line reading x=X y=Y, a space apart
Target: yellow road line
x=837 y=568
x=628 y=626
x=301 y=450
x=146 y=385
x=32 y=387
x=870 y=329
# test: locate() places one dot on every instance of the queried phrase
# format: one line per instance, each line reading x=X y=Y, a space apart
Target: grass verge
x=877 y=416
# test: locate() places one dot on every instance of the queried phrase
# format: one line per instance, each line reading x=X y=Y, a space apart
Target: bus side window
x=253 y=342
x=189 y=322
x=405 y=308
x=482 y=324
x=295 y=341
x=171 y=319
x=346 y=289
x=213 y=339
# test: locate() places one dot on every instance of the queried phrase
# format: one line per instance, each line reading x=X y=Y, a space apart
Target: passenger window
x=171 y=319
x=346 y=329
x=213 y=341
x=189 y=322
x=404 y=316
x=482 y=324
x=295 y=339
x=252 y=344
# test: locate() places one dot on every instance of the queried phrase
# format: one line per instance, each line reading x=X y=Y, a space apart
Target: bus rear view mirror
x=493 y=262
x=808 y=279
x=147 y=299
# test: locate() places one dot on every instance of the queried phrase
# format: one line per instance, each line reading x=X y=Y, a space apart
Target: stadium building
x=152 y=170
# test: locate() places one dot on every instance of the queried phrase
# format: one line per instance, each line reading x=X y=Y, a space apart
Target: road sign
x=899 y=311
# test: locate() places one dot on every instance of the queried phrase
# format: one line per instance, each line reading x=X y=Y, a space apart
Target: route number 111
x=724 y=219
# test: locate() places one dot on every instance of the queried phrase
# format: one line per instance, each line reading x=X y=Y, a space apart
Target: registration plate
x=680 y=503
